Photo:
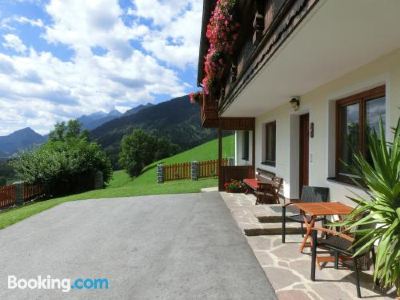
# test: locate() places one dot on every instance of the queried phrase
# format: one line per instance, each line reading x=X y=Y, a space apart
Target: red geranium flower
x=222 y=32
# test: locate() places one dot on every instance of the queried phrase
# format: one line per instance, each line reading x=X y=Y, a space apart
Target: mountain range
x=19 y=140
x=97 y=119
x=176 y=120
x=137 y=109
x=27 y=138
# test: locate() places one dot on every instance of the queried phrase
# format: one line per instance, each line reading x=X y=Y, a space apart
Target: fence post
x=160 y=173
x=98 y=180
x=19 y=193
x=194 y=166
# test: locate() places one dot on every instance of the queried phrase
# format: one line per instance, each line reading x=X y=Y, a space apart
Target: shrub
x=67 y=163
x=140 y=149
x=6 y=172
x=234 y=186
x=382 y=209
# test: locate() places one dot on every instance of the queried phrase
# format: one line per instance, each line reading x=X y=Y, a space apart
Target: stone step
x=209 y=189
x=271 y=229
x=273 y=219
x=272 y=214
x=269 y=219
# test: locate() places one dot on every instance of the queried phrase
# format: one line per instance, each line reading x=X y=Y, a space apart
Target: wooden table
x=318 y=209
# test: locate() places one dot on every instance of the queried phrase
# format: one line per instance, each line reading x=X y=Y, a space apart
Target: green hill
x=122 y=185
x=177 y=120
x=206 y=151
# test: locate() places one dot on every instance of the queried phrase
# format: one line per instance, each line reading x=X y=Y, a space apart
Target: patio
x=286 y=268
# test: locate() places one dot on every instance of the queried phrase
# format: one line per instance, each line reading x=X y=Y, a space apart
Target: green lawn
x=122 y=185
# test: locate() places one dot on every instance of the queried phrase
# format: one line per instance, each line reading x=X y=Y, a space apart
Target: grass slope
x=122 y=185
x=177 y=120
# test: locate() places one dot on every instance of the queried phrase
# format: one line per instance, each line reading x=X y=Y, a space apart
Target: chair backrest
x=273 y=187
x=264 y=175
x=314 y=194
x=277 y=183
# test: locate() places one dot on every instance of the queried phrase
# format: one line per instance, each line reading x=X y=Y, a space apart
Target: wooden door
x=304 y=150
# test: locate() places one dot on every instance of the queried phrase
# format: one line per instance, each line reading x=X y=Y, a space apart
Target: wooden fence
x=177 y=171
x=32 y=191
x=9 y=194
x=209 y=168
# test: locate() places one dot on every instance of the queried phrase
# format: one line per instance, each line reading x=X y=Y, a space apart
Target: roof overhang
x=335 y=38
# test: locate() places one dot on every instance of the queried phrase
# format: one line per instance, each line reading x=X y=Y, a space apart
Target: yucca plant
x=376 y=219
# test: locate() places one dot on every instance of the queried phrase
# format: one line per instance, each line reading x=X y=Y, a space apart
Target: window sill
x=270 y=164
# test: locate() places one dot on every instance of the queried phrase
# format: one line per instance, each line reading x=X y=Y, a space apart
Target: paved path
x=287 y=269
x=156 y=247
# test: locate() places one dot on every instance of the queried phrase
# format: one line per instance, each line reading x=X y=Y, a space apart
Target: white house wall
x=319 y=103
x=239 y=161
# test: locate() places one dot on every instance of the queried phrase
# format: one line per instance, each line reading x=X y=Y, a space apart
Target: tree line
x=68 y=162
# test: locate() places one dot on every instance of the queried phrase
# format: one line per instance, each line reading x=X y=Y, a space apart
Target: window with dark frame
x=245 y=145
x=356 y=116
x=270 y=144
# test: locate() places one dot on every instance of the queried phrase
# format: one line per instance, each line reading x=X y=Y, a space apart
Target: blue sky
x=60 y=59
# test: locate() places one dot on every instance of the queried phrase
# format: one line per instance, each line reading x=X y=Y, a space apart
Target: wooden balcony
x=209 y=112
x=264 y=26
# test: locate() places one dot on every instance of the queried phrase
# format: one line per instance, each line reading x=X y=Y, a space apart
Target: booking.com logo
x=64 y=284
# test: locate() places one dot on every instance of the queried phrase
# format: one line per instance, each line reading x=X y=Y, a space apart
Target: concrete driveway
x=155 y=247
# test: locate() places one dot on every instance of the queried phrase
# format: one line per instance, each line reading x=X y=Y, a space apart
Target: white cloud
x=10 y=22
x=45 y=89
x=176 y=40
x=13 y=42
x=38 y=89
x=32 y=22
x=160 y=12
x=85 y=24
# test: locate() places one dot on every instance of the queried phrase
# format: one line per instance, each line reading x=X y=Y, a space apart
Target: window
x=356 y=116
x=245 y=145
x=270 y=144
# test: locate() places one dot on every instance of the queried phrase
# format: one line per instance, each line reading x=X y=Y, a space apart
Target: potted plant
x=381 y=176
x=234 y=186
x=222 y=33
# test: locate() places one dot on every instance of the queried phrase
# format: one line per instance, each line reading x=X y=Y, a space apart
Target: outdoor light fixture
x=295 y=103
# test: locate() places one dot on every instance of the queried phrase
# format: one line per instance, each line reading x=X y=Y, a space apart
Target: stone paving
x=286 y=268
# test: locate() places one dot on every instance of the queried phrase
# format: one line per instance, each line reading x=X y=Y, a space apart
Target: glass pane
x=245 y=149
x=350 y=128
x=375 y=110
x=270 y=136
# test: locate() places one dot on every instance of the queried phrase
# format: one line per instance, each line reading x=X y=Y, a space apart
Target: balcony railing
x=264 y=26
x=271 y=24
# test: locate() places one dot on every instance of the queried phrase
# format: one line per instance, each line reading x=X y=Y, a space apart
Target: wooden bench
x=251 y=183
x=266 y=186
x=261 y=177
